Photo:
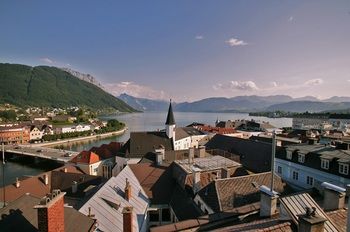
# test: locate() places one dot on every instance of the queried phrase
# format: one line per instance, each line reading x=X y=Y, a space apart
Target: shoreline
x=78 y=139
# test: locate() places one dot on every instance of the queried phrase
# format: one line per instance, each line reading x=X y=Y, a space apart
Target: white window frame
x=301 y=158
x=310 y=180
x=343 y=168
x=289 y=155
x=325 y=164
x=295 y=175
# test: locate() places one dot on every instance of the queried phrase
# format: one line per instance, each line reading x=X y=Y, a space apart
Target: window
x=279 y=169
x=325 y=164
x=165 y=215
x=301 y=158
x=153 y=216
x=310 y=180
x=295 y=175
x=289 y=154
x=344 y=168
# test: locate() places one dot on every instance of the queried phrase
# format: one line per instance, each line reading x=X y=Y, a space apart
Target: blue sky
x=187 y=50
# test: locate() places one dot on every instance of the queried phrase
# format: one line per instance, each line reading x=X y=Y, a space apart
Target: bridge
x=41 y=152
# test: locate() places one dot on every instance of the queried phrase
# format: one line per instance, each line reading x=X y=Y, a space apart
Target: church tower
x=170 y=123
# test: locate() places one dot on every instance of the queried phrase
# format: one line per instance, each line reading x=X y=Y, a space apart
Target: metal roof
x=295 y=205
x=207 y=163
x=107 y=204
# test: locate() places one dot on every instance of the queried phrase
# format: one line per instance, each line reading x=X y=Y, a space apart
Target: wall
x=318 y=175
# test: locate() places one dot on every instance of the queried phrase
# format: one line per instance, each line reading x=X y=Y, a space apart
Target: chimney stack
x=196 y=181
x=51 y=212
x=268 y=202
x=127 y=219
x=74 y=187
x=159 y=158
x=17 y=183
x=46 y=179
x=127 y=190
x=310 y=221
x=200 y=152
x=190 y=155
x=225 y=173
x=334 y=197
x=160 y=150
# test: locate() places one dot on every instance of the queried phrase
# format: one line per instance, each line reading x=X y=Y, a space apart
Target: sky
x=187 y=50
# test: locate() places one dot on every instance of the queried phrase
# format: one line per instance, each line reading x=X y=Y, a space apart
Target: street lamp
x=3 y=170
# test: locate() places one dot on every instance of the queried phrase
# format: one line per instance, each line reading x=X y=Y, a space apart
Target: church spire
x=170 y=118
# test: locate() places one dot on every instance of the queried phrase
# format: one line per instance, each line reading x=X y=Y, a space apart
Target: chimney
x=17 y=183
x=190 y=155
x=161 y=150
x=334 y=197
x=225 y=173
x=159 y=158
x=201 y=150
x=196 y=181
x=46 y=179
x=74 y=187
x=310 y=221
x=127 y=219
x=268 y=202
x=51 y=212
x=127 y=190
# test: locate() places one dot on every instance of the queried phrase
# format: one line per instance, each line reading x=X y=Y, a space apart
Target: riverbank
x=79 y=139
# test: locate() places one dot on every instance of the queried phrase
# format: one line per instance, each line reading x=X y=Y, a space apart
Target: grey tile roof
x=254 y=155
x=184 y=132
x=295 y=205
x=107 y=204
x=325 y=152
x=141 y=143
x=229 y=193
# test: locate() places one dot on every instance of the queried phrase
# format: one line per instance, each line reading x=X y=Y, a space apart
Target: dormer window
x=289 y=155
x=301 y=158
x=325 y=164
x=343 y=168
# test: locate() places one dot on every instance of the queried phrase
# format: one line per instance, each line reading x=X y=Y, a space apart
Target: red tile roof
x=34 y=185
x=86 y=157
x=339 y=218
x=155 y=180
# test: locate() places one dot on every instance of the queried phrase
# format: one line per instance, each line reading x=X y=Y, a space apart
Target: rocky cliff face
x=85 y=77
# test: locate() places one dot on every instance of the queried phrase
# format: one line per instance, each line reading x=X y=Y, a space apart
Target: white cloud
x=290 y=19
x=237 y=85
x=47 y=60
x=199 y=37
x=312 y=82
x=135 y=90
x=235 y=42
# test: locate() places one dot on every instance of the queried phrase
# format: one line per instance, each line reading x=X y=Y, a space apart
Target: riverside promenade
x=78 y=139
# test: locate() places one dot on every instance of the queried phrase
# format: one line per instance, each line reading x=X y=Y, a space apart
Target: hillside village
x=194 y=178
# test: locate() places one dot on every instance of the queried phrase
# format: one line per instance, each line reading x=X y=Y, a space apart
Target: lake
x=151 y=121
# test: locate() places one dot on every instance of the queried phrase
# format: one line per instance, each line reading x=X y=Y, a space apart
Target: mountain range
x=251 y=103
x=23 y=85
